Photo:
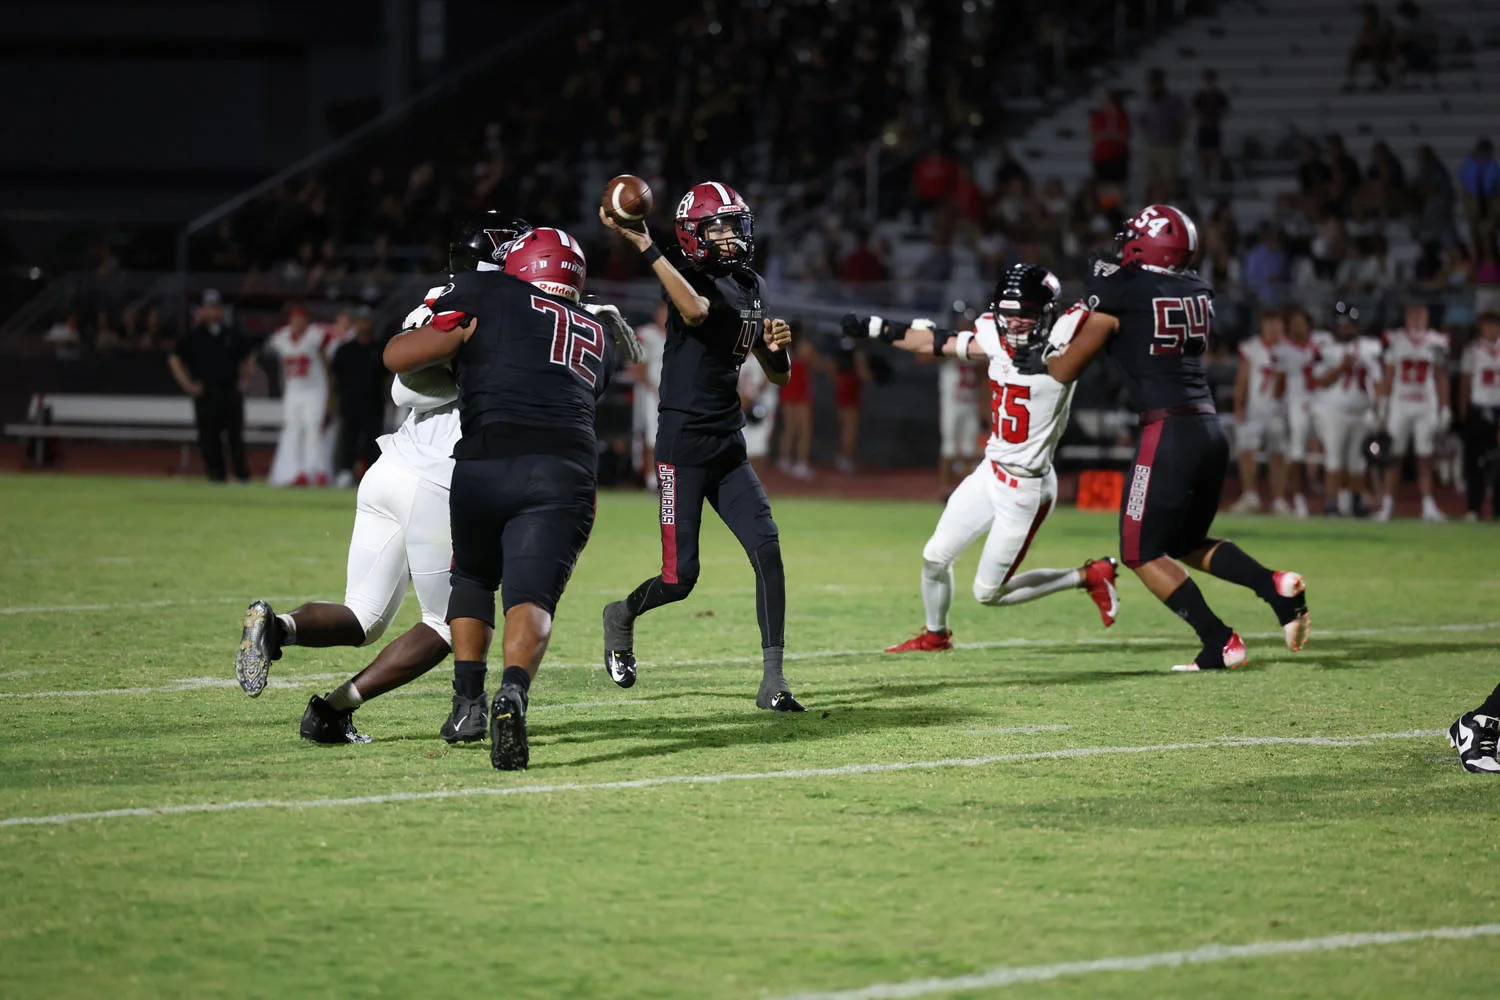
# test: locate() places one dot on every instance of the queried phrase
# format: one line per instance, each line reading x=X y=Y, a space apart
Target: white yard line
x=296 y=680
x=1012 y=974
x=47 y=609
x=1228 y=743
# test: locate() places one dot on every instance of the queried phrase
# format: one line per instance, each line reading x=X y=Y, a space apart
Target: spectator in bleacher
x=359 y=381
x=1109 y=140
x=1210 y=106
x=64 y=337
x=1313 y=175
x=1163 y=121
x=1329 y=245
x=1479 y=179
x=934 y=177
x=1414 y=40
x=327 y=271
x=863 y=264
x=1387 y=180
x=212 y=362
x=1344 y=173
x=934 y=270
x=1372 y=45
x=1267 y=267
x=1486 y=276
x=1435 y=199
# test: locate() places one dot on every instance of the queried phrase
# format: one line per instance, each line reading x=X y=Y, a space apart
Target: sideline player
x=1414 y=390
x=715 y=320
x=1012 y=491
x=1260 y=416
x=400 y=536
x=960 y=389
x=646 y=398
x=1479 y=414
x=301 y=346
x=1297 y=357
x=1154 y=316
x=1347 y=371
x=530 y=364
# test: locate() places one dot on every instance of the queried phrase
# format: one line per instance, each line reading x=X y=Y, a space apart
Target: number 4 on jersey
x=1182 y=324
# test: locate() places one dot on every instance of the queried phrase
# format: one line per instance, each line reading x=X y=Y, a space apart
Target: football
x=627 y=199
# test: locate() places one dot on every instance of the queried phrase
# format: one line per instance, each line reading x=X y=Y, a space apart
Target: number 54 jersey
x=1028 y=412
x=1165 y=320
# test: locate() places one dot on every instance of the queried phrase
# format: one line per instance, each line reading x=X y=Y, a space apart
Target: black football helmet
x=1026 y=297
x=481 y=240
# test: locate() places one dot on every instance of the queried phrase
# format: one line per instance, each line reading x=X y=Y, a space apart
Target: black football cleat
x=508 y=748
x=619 y=644
x=467 y=722
x=260 y=643
x=774 y=697
x=322 y=723
x=1474 y=737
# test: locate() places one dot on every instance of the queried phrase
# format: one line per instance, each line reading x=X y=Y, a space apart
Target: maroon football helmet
x=713 y=203
x=550 y=259
x=1159 y=236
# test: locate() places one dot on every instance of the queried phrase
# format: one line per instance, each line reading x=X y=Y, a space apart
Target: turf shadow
x=675 y=734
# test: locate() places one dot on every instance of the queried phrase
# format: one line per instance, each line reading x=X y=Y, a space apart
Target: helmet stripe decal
x=723 y=194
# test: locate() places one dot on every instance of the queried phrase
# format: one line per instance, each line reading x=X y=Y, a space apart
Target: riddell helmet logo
x=666 y=480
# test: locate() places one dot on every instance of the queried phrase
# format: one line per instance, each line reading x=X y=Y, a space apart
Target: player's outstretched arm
x=692 y=307
x=1074 y=356
x=923 y=336
x=424 y=347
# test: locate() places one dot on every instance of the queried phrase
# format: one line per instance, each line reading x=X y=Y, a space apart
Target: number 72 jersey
x=1028 y=412
x=1166 y=318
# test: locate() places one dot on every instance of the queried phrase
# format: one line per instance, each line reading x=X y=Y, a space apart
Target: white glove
x=419 y=316
x=624 y=334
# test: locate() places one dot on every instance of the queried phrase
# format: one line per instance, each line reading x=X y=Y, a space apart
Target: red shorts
x=848 y=390
x=798 y=388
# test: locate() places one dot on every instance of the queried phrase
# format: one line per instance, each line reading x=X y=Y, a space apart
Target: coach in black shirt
x=211 y=362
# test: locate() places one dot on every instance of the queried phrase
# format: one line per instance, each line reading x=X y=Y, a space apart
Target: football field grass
x=992 y=821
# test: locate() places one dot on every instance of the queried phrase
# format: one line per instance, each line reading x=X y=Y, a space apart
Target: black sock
x=1188 y=604
x=468 y=678
x=770 y=594
x=516 y=677
x=1491 y=706
x=1229 y=562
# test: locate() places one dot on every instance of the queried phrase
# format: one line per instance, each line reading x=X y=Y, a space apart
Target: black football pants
x=220 y=416
x=735 y=492
x=1482 y=457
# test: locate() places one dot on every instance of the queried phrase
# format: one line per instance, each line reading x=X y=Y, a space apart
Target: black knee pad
x=767 y=554
x=470 y=600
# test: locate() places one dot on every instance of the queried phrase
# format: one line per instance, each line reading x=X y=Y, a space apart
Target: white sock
x=345 y=697
x=288 y=630
x=1345 y=501
x=1038 y=583
x=937 y=594
x=1386 y=503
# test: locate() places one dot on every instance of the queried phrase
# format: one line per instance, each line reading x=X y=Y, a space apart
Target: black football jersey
x=700 y=367
x=534 y=360
x=1165 y=319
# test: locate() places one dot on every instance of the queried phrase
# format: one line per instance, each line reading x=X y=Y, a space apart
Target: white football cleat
x=1248 y=503
x=1281 y=508
x=1299 y=505
x=1297 y=631
x=1431 y=512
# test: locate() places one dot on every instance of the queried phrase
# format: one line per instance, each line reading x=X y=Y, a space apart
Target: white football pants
x=1011 y=510
x=300 y=450
x=401 y=535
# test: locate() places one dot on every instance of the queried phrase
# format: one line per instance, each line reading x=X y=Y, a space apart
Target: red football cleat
x=1234 y=655
x=1099 y=581
x=925 y=642
x=301 y=479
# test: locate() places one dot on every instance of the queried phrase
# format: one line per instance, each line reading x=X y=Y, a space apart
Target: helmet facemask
x=729 y=237
x=1025 y=326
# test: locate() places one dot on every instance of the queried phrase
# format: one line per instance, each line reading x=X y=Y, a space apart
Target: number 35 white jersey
x=1028 y=412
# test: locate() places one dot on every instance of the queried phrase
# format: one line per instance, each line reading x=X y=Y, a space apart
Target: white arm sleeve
x=1066 y=326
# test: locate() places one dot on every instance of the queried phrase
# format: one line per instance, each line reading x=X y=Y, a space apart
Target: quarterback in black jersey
x=530 y=364
x=1154 y=317
x=716 y=319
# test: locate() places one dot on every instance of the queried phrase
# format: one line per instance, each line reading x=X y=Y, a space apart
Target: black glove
x=1032 y=361
x=858 y=327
